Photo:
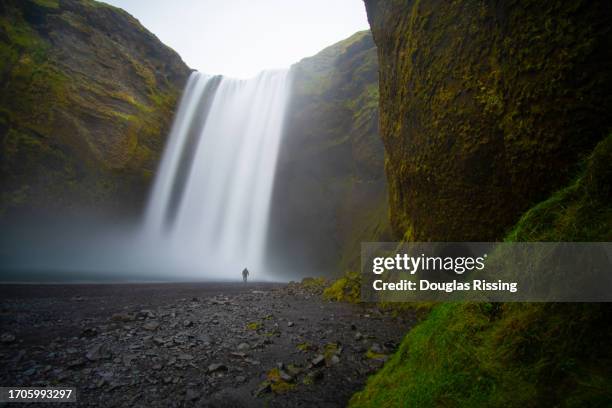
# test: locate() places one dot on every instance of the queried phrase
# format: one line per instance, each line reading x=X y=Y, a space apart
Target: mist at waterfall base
x=208 y=211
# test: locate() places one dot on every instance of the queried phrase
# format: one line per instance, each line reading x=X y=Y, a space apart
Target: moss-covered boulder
x=486 y=108
x=330 y=191
x=87 y=97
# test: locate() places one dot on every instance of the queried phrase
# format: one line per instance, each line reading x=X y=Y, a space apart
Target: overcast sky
x=239 y=38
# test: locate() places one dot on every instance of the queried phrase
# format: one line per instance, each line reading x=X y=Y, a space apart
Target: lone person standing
x=245 y=274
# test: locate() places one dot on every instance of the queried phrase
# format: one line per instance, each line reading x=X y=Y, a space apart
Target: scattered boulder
x=216 y=367
x=192 y=394
x=123 y=317
x=94 y=353
x=312 y=377
x=263 y=388
x=318 y=360
x=128 y=358
x=146 y=313
x=151 y=325
x=89 y=332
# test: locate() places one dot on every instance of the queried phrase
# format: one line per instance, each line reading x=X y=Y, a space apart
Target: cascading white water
x=209 y=205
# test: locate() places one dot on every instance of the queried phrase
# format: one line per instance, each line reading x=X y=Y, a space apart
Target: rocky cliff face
x=487 y=108
x=87 y=97
x=330 y=191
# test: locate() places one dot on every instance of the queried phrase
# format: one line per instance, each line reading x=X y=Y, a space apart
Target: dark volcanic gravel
x=192 y=344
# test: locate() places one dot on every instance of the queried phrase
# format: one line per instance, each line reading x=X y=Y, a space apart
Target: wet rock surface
x=192 y=344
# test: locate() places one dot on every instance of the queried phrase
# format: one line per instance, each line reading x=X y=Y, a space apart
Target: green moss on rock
x=515 y=354
x=87 y=98
x=330 y=192
x=479 y=101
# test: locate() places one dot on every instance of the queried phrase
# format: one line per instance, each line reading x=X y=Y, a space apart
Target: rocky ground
x=192 y=344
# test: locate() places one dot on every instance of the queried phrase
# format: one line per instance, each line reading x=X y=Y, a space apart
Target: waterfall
x=209 y=205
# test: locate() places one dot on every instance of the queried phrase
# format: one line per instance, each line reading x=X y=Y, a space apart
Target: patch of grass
x=314 y=286
x=277 y=384
x=254 y=326
x=313 y=283
x=577 y=212
x=345 y=289
x=305 y=347
x=515 y=354
x=371 y=355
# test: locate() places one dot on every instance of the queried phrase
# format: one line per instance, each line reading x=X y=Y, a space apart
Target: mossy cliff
x=330 y=191
x=515 y=354
x=87 y=97
x=487 y=108
x=496 y=125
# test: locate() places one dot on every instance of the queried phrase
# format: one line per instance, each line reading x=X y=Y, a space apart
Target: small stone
x=290 y=324
x=151 y=326
x=7 y=338
x=293 y=370
x=318 y=360
x=263 y=388
x=243 y=346
x=216 y=367
x=375 y=348
x=29 y=372
x=94 y=353
x=192 y=394
x=312 y=377
x=128 y=358
x=89 y=332
x=187 y=323
x=185 y=357
x=123 y=317
x=358 y=336
x=146 y=313
x=159 y=341
x=284 y=376
x=76 y=363
x=240 y=379
x=334 y=360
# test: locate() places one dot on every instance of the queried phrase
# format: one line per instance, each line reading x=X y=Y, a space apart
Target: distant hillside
x=87 y=97
x=330 y=191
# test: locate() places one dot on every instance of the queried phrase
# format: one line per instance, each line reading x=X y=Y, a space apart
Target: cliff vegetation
x=496 y=123
x=330 y=191
x=87 y=97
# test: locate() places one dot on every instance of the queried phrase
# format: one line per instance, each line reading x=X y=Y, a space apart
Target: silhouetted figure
x=245 y=274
